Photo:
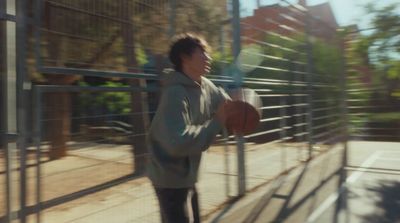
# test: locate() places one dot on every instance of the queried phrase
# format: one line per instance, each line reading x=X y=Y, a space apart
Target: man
x=190 y=113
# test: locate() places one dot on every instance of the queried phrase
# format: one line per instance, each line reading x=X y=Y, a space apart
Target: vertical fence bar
x=309 y=80
x=236 y=28
x=3 y=103
x=344 y=105
x=22 y=88
x=241 y=165
x=225 y=132
x=37 y=140
x=239 y=138
x=37 y=35
x=282 y=132
x=3 y=106
x=37 y=110
x=10 y=101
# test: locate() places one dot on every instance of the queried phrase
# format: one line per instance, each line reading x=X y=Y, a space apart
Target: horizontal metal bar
x=283 y=81
x=268 y=32
x=274 y=119
x=11 y=137
x=301 y=134
x=299 y=115
x=265 y=132
x=324 y=109
x=272 y=142
x=274 y=57
x=326 y=116
x=7 y=17
x=383 y=136
x=322 y=100
x=292 y=19
x=101 y=116
x=364 y=107
x=69 y=88
x=365 y=128
x=359 y=113
x=273 y=45
x=324 y=125
x=97 y=73
x=90 y=13
x=300 y=124
x=274 y=107
x=299 y=105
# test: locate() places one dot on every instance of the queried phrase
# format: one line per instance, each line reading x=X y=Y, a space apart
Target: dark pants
x=178 y=205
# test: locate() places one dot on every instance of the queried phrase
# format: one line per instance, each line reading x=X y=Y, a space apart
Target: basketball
x=246 y=105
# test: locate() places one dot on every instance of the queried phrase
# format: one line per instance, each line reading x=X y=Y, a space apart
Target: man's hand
x=221 y=113
x=226 y=111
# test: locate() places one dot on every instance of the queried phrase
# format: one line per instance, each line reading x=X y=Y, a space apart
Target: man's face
x=198 y=63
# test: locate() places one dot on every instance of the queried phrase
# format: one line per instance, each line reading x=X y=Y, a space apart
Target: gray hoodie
x=183 y=127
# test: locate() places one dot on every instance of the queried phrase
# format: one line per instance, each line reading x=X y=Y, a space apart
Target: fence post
x=9 y=113
x=343 y=82
x=239 y=138
x=309 y=91
x=37 y=135
x=23 y=88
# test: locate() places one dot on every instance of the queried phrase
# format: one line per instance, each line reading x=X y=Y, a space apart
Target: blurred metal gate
x=79 y=54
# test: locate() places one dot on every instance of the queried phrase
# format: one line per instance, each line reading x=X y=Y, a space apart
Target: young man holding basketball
x=190 y=113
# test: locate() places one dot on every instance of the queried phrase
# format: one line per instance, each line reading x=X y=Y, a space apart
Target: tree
x=118 y=36
x=381 y=48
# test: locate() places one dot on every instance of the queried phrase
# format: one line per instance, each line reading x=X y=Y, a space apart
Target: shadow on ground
x=387 y=200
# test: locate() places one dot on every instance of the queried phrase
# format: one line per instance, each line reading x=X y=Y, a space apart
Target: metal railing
x=101 y=62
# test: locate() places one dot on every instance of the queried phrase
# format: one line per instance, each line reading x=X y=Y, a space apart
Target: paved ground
x=312 y=191
x=366 y=190
x=89 y=185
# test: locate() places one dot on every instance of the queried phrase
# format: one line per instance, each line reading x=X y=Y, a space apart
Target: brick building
x=289 y=20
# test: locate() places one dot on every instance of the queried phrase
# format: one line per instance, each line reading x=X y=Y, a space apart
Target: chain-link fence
x=95 y=68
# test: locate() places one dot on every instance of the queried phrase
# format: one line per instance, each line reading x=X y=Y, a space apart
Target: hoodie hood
x=173 y=77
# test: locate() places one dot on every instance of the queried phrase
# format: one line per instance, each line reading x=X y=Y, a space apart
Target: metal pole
x=344 y=108
x=241 y=165
x=38 y=135
x=225 y=132
x=309 y=79
x=9 y=122
x=236 y=28
x=239 y=138
x=22 y=94
x=344 y=114
x=282 y=133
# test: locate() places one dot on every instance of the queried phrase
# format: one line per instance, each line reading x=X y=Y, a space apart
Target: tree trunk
x=59 y=124
x=139 y=119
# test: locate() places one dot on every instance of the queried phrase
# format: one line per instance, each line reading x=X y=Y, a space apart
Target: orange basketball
x=247 y=114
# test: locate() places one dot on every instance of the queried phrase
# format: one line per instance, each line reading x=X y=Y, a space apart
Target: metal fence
x=95 y=66
x=373 y=111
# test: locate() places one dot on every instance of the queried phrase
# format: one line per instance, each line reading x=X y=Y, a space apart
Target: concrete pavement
x=363 y=186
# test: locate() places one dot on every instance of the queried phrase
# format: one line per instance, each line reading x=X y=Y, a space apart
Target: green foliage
x=112 y=102
x=383 y=43
x=327 y=59
x=385 y=117
x=141 y=57
x=219 y=63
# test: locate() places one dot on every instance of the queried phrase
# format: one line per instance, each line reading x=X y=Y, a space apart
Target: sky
x=347 y=12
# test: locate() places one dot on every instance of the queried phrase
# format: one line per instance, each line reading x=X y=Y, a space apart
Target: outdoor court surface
x=363 y=186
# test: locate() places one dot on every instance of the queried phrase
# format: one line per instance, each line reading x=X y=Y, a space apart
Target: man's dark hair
x=185 y=44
